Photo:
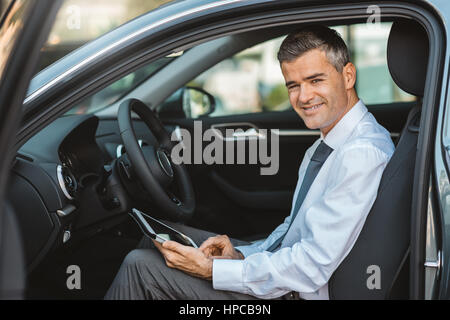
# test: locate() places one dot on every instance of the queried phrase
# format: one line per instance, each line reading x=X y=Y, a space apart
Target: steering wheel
x=153 y=165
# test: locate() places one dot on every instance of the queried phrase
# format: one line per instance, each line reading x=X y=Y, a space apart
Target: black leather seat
x=385 y=238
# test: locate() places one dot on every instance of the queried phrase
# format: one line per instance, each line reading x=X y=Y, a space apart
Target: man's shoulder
x=369 y=135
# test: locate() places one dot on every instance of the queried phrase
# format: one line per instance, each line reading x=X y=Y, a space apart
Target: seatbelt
x=398 y=273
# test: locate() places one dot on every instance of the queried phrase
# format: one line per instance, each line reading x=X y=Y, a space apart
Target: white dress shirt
x=328 y=222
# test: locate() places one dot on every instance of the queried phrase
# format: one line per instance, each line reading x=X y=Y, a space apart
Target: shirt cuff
x=227 y=274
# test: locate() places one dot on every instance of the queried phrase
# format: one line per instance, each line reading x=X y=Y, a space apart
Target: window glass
x=120 y=88
x=368 y=47
x=251 y=81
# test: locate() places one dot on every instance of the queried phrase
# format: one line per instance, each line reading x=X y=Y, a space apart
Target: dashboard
x=54 y=183
x=80 y=158
x=57 y=181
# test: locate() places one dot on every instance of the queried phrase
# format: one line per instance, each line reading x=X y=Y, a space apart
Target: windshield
x=81 y=21
x=120 y=88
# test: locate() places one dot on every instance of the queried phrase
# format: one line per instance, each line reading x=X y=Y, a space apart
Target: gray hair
x=315 y=37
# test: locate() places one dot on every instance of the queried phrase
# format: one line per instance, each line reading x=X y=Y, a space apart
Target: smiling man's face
x=318 y=92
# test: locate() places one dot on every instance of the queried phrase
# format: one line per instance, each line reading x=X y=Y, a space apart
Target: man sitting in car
x=337 y=185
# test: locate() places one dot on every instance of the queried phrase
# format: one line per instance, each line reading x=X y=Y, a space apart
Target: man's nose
x=306 y=95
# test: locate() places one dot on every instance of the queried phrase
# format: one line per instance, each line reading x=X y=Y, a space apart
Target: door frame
x=19 y=68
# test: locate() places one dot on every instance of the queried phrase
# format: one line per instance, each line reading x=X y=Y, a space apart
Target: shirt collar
x=342 y=130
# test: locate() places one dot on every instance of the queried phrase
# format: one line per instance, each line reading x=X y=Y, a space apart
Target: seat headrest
x=407 y=56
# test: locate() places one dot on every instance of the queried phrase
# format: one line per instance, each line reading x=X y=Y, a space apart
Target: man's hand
x=187 y=259
x=220 y=247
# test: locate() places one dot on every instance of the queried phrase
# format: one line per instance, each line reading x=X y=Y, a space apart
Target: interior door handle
x=241 y=131
x=250 y=133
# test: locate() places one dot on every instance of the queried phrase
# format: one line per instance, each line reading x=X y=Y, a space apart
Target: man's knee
x=139 y=258
x=133 y=256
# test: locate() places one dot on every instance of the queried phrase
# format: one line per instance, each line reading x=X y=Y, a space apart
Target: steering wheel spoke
x=153 y=166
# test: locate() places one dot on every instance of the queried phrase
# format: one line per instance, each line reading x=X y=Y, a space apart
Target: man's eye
x=316 y=80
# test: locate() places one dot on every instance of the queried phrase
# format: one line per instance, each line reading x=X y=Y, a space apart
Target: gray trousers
x=145 y=275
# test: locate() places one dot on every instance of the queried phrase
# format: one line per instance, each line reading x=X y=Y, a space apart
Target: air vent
x=24 y=157
x=67 y=182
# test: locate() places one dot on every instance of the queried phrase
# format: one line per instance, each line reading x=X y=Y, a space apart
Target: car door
x=97 y=70
x=23 y=29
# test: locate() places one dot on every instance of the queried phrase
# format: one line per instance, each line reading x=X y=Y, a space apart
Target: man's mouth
x=313 y=107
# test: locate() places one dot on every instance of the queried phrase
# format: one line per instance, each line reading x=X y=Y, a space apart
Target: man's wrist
x=240 y=256
x=209 y=269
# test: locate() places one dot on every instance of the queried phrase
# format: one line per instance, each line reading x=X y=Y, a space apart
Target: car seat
x=384 y=242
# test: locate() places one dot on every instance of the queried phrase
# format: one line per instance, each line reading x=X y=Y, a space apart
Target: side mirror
x=197 y=102
x=187 y=102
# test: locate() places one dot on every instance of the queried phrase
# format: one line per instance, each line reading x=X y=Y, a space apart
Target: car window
x=120 y=88
x=251 y=81
x=80 y=21
x=368 y=47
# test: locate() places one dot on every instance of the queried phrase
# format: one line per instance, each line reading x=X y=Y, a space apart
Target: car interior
x=74 y=182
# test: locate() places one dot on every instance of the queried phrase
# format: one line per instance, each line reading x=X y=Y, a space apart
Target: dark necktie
x=318 y=158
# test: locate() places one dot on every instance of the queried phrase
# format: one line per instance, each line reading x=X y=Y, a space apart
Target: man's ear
x=349 y=74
